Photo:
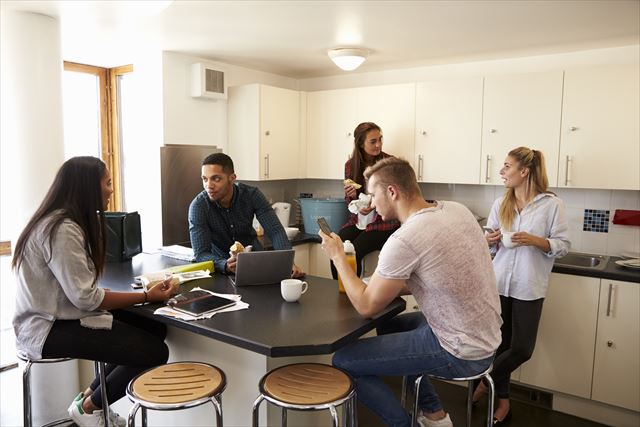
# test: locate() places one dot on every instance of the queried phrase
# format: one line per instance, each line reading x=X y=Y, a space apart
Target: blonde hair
x=537 y=182
x=395 y=171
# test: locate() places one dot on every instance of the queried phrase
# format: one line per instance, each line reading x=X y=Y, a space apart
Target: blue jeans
x=405 y=346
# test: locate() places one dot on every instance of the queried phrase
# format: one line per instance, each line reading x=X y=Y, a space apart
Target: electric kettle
x=283 y=210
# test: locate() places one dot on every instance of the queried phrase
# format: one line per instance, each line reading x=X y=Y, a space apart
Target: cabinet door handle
x=348 y=133
x=424 y=132
x=493 y=130
x=487 y=175
x=609 y=299
x=573 y=128
x=420 y=160
x=267 y=133
x=609 y=343
x=266 y=166
x=566 y=171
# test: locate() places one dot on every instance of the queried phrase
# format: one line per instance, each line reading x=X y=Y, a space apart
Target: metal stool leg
x=131 y=421
x=469 y=401
x=144 y=416
x=217 y=404
x=491 y=397
x=256 y=412
x=334 y=415
x=26 y=395
x=283 y=421
x=100 y=373
x=416 y=391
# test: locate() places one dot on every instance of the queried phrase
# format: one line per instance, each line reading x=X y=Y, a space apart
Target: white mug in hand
x=291 y=289
x=506 y=239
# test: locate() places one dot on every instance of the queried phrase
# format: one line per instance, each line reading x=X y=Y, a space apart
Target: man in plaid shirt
x=223 y=213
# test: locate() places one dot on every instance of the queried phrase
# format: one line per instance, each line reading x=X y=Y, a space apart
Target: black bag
x=124 y=239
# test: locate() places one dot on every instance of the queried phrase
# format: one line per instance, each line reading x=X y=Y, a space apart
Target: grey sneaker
x=426 y=422
x=115 y=420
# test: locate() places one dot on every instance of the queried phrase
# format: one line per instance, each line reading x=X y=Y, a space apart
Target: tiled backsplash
x=609 y=239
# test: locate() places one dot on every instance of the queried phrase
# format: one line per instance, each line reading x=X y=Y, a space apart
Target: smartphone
x=324 y=226
x=488 y=229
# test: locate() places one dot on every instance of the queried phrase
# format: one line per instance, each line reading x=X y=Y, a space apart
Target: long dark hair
x=357 y=156
x=76 y=193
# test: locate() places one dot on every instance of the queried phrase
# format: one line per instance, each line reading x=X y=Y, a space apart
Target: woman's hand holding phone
x=492 y=236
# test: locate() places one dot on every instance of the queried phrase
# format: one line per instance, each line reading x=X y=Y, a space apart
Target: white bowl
x=291 y=232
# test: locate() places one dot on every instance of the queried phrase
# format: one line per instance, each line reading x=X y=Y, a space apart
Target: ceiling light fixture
x=347 y=58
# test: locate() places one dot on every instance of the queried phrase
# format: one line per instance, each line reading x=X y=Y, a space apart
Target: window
x=91 y=108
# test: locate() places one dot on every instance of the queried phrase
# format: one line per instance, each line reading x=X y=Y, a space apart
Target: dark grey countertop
x=611 y=272
x=321 y=322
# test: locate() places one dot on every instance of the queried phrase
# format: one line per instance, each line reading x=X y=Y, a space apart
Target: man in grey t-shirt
x=439 y=255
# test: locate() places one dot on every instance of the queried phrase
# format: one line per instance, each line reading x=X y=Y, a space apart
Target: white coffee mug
x=506 y=239
x=291 y=289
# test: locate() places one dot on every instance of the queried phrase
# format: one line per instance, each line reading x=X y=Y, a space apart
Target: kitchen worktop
x=611 y=272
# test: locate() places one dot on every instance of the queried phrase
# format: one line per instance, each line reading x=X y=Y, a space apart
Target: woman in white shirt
x=61 y=311
x=537 y=221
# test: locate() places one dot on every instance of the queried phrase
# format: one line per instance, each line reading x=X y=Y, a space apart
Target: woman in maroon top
x=367 y=150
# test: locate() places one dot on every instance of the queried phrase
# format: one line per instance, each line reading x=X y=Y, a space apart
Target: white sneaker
x=81 y=418
x=426 y=422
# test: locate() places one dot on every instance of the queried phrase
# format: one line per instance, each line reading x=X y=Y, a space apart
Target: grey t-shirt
x=444 y=258
x=62 y=288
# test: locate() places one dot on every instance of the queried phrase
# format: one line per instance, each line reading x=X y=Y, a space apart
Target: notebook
x=263 y=267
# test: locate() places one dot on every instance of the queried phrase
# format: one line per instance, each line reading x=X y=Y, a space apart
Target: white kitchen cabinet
x=391 y=107
x=331 y=120
x=563 y=356
x=600 y=134
x=264 y=132
x=301 y=257
x=448 y=131
x=616 y=372
x=520 y=110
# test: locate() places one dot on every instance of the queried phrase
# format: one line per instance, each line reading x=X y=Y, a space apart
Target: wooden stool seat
x=307 y=384
x=178 y=383
x=174 y=386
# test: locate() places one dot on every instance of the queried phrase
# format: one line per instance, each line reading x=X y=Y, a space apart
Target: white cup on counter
x=292 y=289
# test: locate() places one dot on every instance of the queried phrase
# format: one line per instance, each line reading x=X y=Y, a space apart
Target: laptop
x=263 y=267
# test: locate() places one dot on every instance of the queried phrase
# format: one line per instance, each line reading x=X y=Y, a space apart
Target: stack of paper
x=169 y=312
x=178 y=252
x=147 y=278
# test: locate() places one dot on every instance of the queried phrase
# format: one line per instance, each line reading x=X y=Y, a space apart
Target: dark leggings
x=364 y=242
x=133 y=345
x=519 y=330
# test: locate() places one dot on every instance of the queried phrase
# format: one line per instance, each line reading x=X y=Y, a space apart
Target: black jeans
x=364 y=242
x=519 y=331
x=133 y=345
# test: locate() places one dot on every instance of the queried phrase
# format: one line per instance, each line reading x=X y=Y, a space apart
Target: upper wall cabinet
x=264 y=132
x=331 y=121
x=393 y=109
x=520 y=110
x=448 y=131
x=332 y=116
x=600 y=141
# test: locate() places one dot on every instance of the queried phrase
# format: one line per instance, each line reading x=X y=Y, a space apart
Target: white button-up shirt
x=523 y=272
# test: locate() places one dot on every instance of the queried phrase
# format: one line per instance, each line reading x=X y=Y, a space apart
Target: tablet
x=203 y=305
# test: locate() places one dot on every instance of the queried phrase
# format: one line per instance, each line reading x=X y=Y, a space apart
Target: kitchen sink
x=583 y=261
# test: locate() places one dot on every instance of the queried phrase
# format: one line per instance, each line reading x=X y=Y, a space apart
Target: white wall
x=197 y=121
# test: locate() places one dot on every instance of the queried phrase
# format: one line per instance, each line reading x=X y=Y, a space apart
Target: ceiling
x=290 y=38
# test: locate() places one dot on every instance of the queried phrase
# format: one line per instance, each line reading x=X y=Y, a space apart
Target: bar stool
x=483 y=375
x=26 y=390
x=178 y=385
x=308 y=387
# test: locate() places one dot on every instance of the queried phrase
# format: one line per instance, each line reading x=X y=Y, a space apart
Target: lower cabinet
x=616 y=371
x=589 y=341
x=563 y=356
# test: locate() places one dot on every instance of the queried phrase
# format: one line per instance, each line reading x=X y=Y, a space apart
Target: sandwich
x=352 y=183
x=236 y=248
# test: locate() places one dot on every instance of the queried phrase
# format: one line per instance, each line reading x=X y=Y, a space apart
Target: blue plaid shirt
x=213 y=229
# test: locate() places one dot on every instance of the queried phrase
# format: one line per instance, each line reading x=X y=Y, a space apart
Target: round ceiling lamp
x=348 y=58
